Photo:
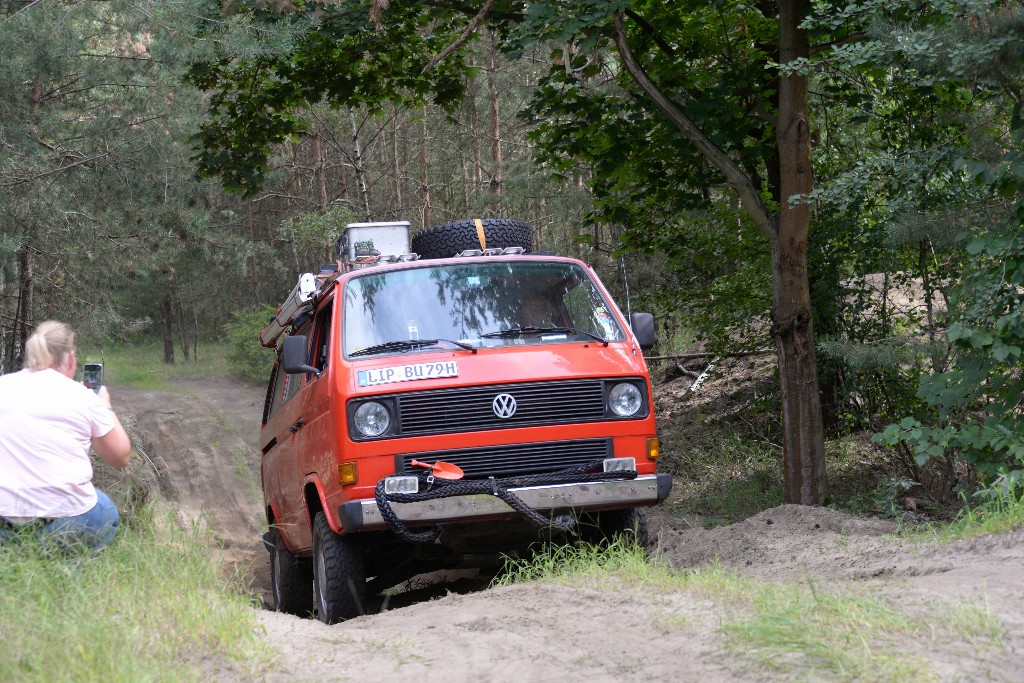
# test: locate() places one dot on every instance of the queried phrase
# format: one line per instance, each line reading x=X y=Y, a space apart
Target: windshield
x=482 y=303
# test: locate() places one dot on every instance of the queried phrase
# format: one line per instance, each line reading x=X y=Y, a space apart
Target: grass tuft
x=152 y=607
x=1002 y=512
x=585 y=561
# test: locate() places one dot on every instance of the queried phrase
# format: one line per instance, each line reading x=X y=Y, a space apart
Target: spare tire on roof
x=448 y=239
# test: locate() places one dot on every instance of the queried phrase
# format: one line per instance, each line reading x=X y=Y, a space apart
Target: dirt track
x=202 y=441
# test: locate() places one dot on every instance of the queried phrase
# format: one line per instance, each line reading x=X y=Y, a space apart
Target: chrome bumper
x=364 y=515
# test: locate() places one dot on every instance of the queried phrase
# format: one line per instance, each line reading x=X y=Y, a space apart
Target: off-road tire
x=448 y=239
x=628 y=526
x=339 y=579
x=290 y=578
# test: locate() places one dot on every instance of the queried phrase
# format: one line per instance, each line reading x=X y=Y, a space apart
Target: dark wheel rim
x=275 y=577
x=321 y=600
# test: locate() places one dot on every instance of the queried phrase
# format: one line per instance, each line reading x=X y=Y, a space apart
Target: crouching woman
x=48 y=423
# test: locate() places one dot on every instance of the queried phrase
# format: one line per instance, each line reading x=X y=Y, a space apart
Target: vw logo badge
x=504 y=406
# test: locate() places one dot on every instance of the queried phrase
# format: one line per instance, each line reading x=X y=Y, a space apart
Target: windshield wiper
x=527 y=331
x=404 y=345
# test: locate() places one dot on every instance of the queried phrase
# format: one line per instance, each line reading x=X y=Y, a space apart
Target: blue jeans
x=94 y=529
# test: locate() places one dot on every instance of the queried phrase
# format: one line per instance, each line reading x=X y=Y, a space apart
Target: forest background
x=167 y=169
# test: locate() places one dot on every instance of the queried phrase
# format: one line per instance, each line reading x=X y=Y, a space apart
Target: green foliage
x=96 y=185
x=313 y=234
x=247 y=357
x=334 y=52
x=995 y=510
x=888 y=495
x=974 y=407
x=647 y=180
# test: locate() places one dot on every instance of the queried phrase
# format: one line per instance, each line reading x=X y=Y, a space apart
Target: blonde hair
x=49 y=345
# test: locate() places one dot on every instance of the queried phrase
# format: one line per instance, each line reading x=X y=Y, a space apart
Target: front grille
x=515 y=459
x=469 y=409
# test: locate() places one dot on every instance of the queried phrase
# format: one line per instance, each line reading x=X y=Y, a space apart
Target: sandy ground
x=202 y=441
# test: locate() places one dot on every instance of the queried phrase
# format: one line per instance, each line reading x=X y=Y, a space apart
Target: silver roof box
x=362 y=239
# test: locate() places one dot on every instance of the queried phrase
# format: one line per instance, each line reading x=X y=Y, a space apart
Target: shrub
x=246 y=356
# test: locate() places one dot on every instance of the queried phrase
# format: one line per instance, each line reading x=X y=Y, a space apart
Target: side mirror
x=295 y=355
x=643 y=328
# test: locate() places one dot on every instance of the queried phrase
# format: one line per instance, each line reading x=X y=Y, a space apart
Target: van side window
x=274 y=392
x=321 y=349
x=294 y=382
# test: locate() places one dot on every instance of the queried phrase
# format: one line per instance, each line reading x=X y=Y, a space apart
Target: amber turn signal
x=348 y=472
x=653 y=448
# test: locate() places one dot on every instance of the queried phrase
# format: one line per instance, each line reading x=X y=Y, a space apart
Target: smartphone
x=92 y=375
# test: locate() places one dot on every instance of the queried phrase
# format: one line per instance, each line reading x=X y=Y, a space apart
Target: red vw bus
x=429 y=413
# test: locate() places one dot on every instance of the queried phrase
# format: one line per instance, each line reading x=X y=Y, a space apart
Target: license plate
x=408 y=373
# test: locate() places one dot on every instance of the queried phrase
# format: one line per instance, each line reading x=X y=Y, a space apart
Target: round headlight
x=625 y=399
x=372 y=419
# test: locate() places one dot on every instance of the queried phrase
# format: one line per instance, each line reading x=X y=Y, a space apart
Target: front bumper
x=364 y=515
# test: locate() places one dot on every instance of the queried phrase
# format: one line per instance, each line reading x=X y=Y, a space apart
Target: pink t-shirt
x=47 y=422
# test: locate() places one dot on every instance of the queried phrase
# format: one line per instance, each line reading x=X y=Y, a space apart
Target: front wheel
x=290 y=578
x=339 y=579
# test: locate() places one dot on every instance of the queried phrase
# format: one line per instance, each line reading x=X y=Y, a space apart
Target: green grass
x=141 y=364
x=1001 y=512
x=731 y=477
x=845 y=635
x=585 y=561
x=727 y=480
x=794 y=628
x=152 y=607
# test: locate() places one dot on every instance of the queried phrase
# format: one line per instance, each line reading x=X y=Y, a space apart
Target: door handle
x=296 y=427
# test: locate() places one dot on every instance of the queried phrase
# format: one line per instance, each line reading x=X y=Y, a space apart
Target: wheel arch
x=316 y=501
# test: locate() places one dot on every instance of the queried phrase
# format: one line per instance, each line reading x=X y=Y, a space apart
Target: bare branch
x=649 y=30
x=22 y=181
x=473 y=24
x=23 y=9
x=852 y=38
x=734 y=175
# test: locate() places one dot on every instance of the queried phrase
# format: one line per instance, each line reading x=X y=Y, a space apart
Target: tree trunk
x=357 y=152
x=472 y=92
x=319 y=177
x=183 y=336
x=792 y=327
x=195 y=335
x=495 y=112
x=251 y=225
x=399 y=209
x=425 y=170
x=167 y=313
x=25 y=308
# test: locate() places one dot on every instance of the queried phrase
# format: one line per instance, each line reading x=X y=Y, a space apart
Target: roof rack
x=491 y=252
x=302 y=295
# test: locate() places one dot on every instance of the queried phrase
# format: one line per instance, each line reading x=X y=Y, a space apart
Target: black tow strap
x=445 y=488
